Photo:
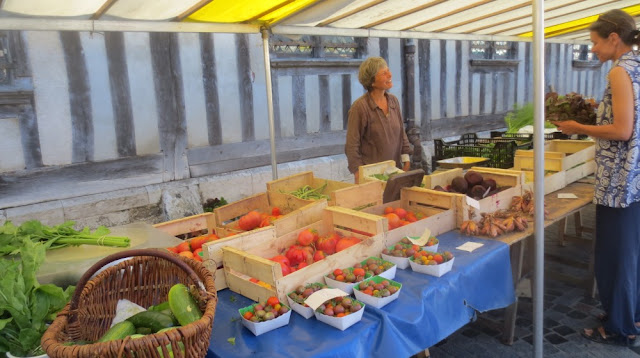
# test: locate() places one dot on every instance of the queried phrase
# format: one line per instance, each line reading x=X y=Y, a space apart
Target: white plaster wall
x=464 y=78
x=104 y=131
x=488 y=90
x=143 y=99
x=312 y=101
x=51 y=93
x=434 y=54
x=475 y=93
x=285 y=84
x=228 y=91
x=395 y=65
x=194 y=101
x=260 y=110
x=450 y=76
x=11 y=155
x=335 y=101
x=521 y=78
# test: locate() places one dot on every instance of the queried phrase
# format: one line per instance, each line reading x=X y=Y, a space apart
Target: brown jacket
x=373 y=137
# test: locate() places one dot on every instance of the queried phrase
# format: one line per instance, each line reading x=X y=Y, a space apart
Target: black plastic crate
x=500 y=151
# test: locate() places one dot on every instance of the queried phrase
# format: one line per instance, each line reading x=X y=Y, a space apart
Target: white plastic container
x=304 y=311
x=258 y=328
x=341 y=323
x=377 y=302
x=433 y=270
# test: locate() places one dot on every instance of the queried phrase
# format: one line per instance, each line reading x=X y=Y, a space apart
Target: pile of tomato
x=192 y=248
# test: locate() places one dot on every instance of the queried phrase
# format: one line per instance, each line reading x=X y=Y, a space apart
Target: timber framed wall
x=112 y=111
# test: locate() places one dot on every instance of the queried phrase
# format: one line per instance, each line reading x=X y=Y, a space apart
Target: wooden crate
x=439 y=208
x=359 y=196
x=205 y=224
x=559 y=155
x=365 y=171
x=297 y=213
x=240 y=265
x=503 y=177
x=281 y=187
x=557 y=180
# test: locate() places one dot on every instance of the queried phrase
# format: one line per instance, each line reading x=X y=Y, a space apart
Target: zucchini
x=150 y=319
x=182 y=304
x=143 y=330
x=159 y=307
x=118 y=331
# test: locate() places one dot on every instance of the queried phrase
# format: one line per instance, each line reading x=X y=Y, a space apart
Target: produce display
x=265 y=316
x=384 y=288
x=398 y=216
x=503 y=221
x=192 y=248
x=571 y=106
x=310 y=247
x=431 y=258
x=255 y=219
x=473 y=185
x=340 y=307
x=308 y=193
x=54 y=237
x=303 y=292
x=360 y=271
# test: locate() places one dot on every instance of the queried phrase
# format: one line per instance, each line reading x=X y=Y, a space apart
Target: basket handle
x=125 y=254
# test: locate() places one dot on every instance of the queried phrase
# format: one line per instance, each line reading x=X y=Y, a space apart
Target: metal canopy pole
x=538 y=173
x=267 y=75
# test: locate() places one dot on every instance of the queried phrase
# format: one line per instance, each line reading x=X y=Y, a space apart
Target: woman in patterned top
x=375 y=130
x=617 y=189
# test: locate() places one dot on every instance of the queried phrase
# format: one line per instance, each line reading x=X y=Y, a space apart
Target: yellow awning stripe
x=242 y=11
x=580 y=24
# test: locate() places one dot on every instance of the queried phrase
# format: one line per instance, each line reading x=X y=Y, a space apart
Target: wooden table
x=559 y=210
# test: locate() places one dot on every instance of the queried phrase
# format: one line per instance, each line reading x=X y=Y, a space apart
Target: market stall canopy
x=509 y=20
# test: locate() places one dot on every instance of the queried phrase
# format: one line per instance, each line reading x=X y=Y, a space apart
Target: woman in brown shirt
x=375 y=131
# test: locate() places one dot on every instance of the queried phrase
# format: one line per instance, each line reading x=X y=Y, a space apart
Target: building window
x=492 y=50
x=306 y=47
x=583 y=53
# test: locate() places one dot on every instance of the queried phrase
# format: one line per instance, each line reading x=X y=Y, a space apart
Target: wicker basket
x=144 y=279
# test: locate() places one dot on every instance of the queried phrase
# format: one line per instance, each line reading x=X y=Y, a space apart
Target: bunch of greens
x=12 y=237
x=572 y=106
x=25 y=305
x=211 y=204
x=520 y=117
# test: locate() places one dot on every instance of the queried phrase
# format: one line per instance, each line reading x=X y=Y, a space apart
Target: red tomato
x=346 y=242
x=247 y=315
x=401 y=213
x=188 y=254
x=196 y=242
x=305 y=237
x=173 y=249
x=275 y=211
x=388 y=210
x=183 y=246
x=272 y=301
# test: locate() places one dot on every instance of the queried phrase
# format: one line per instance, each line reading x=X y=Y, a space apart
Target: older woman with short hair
x=375 y=130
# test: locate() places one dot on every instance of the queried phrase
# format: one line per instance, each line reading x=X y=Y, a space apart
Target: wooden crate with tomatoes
x=257 y=272
x=204 y=241
x=304 y=186
x=266 y=209
x=416 y=211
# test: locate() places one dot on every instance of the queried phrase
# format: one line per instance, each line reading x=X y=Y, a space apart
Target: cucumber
x=170 y=314
x=118 y=331
x=183 y=306
x=150 y=319
x=143 y=330
x=159 y=307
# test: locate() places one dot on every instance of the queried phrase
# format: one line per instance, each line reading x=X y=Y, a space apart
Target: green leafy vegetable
x=232 y=340
x=25 y=305
x=520 y=117
x=53 y=237
x=211 y=204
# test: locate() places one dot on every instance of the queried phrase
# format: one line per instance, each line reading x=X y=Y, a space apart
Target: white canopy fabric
x=509 y=20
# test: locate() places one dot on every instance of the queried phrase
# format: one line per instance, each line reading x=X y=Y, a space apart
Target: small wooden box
x=503 y=177
x=555 y=181
x=296 y=213
x=559 y=155
x=437 y=206
x=205 y=224
x=281 y=187
x=240 y=265
x=365 y=171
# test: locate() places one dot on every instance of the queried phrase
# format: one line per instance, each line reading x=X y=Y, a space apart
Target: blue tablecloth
x=428 y=310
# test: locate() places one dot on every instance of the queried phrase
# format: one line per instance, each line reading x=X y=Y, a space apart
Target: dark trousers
x=617 y=266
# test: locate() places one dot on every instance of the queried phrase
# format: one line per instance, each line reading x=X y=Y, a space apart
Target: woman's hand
x=406 y=166
x=357 y=178
x=568 y=127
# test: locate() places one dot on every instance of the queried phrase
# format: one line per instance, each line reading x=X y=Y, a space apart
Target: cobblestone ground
x=568 y=309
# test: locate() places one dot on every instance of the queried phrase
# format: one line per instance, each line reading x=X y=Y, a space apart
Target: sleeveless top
x=617 y=162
